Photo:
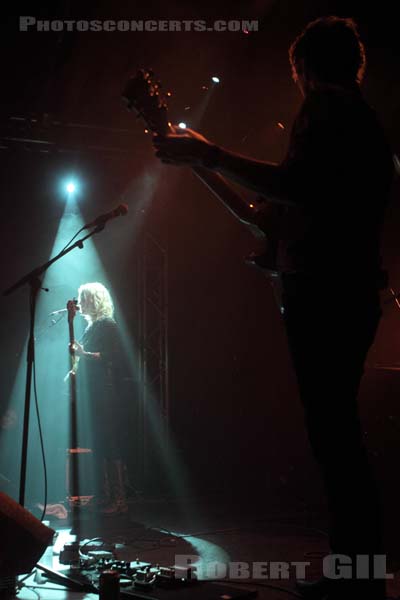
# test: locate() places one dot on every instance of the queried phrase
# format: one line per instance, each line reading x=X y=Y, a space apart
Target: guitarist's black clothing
x=339 y=168
x=101 y=388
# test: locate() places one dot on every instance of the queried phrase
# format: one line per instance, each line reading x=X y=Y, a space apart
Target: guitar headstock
x=143 y=96
x=72 y=308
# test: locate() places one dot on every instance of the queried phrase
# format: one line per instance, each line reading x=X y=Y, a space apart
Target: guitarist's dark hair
x=331 y=50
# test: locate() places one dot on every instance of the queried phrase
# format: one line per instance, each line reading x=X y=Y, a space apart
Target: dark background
x=235 y=417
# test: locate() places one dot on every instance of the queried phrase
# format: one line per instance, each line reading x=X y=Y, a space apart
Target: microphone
x=62 y=310
x=120 y=211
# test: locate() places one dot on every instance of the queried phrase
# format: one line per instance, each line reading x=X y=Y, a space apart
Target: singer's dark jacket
x=101 y=388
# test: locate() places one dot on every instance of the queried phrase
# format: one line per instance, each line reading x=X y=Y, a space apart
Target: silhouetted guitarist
x=338 y=170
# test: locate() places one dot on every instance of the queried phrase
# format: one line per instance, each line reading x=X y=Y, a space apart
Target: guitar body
x=257 y=221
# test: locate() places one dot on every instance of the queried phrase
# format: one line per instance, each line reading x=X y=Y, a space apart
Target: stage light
x=182 y=125
x=215 y=79
x=70 y=187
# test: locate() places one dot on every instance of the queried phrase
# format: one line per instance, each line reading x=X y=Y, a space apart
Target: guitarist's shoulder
x=106 y=322
x=327 y=100
x=104 y=329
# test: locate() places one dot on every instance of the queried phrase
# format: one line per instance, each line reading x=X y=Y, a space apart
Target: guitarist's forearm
x=233 y=201
x=264 y=178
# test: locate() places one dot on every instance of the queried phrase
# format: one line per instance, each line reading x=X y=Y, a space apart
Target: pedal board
x=144 y=581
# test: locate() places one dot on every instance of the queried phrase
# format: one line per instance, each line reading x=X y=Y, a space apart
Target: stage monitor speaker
x=23 y=538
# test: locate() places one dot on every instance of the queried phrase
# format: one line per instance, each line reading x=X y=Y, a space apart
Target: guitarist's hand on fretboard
x=77 y=348
x=183 y=147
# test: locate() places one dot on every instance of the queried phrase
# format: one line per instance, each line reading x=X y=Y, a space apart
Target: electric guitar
x=142 y=95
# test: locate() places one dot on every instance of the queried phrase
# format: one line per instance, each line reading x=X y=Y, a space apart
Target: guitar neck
x=142 y=95
x=73 y=358
x=230 y=198
x=71 y=331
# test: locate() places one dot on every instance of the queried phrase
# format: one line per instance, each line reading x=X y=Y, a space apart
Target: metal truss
x=153 y=323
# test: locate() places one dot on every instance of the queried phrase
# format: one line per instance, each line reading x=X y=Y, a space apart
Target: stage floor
x=221 y=534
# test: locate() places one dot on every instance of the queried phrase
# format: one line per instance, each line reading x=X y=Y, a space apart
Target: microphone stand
x=35 y=284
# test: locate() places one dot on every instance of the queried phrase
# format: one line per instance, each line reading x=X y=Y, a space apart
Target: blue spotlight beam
x=32 y=275
x=35 y=284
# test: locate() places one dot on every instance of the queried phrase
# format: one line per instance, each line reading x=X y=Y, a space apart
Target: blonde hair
x=99 y=297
